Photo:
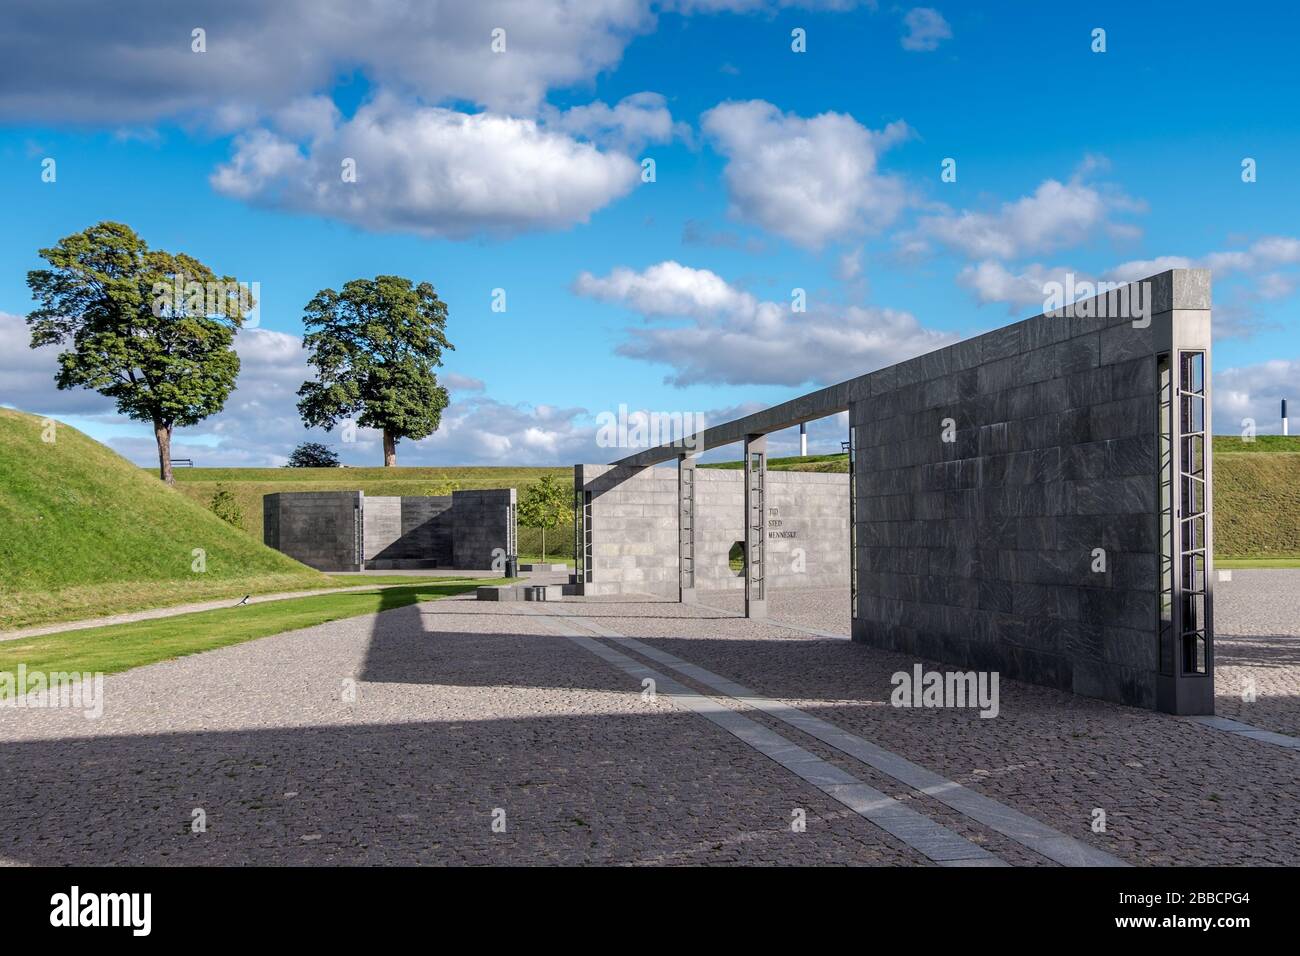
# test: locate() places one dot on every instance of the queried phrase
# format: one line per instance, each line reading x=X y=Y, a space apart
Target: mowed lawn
x=120 y=647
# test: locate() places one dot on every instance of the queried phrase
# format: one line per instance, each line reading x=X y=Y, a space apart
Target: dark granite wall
x=979 y=551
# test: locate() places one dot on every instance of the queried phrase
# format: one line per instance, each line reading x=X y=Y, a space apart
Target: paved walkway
x=404 y=737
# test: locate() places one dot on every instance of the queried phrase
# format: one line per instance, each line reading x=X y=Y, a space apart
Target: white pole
x=1286 y=430
x=803 y=439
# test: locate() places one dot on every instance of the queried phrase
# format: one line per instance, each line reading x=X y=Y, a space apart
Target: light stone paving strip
x=1024 y=829
x=1249 y=730
x=931 y=839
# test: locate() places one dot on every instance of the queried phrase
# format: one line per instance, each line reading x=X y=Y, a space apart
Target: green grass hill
x=83 y=532
x=1257 y=497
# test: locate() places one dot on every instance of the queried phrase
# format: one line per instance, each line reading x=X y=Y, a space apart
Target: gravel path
x=401 y=737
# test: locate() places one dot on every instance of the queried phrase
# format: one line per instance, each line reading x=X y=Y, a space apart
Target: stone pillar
x=686 y=529
x=755 y=526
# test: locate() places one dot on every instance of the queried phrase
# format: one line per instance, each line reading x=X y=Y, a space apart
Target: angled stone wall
x=382 y=527
x=413 y=531
x=427 y=529
x=807 y=529
x=1007 y=498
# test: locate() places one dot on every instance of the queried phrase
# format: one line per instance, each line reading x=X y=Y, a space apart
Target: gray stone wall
x=634 y=529
x=413 y=531
x=483 y=525
x=807 y=529
x=322 y=529
x=346 y=531
x=980 y=551
x=427 y=529
x=382 y=523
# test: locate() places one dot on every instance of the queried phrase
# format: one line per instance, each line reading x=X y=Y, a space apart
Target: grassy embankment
x=84 y=533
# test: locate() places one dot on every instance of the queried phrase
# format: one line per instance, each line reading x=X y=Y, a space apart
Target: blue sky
x=775 y=170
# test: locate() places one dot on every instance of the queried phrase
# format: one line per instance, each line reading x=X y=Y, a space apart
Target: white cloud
x=668 y=289
x=430 y=171
x=130 y=63
x=627 y=126
x=1270 y=252
x=1058 y=215
x=849 y=266
x=27 y=376
x=810 y=180
x=462 y=383
x=1256 y=391
x=926 y=29
x=1246 y=281
x=735 y=338
x=991 y=281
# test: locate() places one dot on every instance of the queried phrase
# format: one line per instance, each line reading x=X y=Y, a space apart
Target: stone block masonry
x=322 y=529
x=346 y=531
x=634 y=529
x=483 y=527
x=1008 y=498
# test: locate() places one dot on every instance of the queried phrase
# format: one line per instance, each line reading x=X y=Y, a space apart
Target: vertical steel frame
x=1185 y=683
x=686 y=529
x=582 y=530
x=853 y=522
x=755 y=526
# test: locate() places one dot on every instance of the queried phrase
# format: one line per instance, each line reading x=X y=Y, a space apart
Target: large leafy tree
x=375 y=347
x=150 y=329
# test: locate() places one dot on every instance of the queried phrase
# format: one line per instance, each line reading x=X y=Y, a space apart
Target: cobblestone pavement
x=1257 y=647
x=462 y=709
x=1174 y=792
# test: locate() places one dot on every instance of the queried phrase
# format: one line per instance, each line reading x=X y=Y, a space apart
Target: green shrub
x=226 y=507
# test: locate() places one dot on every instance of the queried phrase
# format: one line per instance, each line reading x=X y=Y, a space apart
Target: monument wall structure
x=346 y=531
x=1036 y=501
x=1035 y=537
x=634 y=519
